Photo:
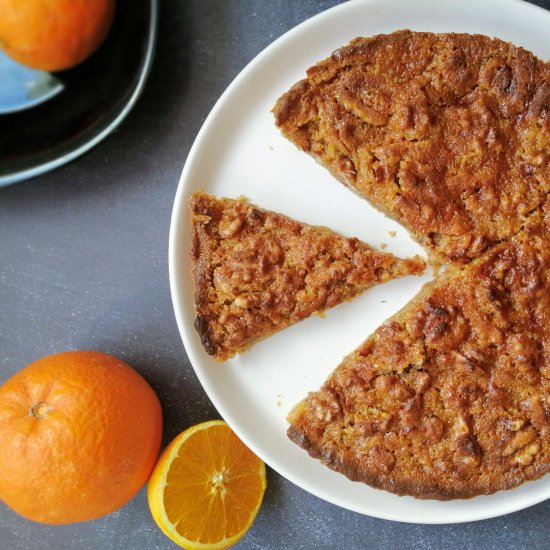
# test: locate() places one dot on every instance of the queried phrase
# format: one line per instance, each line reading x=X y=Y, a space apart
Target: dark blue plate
x=65 y=114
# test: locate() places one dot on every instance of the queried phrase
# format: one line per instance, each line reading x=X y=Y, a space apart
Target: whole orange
x=80 y=434
x=53 y=35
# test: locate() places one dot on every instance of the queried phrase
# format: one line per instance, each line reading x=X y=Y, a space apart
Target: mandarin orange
x=80 y=434
x=53 y=35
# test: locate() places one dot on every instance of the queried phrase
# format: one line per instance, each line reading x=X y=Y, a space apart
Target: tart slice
x=256 y=272
x=450 y=398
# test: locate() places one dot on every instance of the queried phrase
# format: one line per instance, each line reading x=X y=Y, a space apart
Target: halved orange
x=206 y=488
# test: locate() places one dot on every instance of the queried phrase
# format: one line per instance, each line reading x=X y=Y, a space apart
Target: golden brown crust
x=256 y=272
x=450 y=398
x=450 y=135
x=447 y=133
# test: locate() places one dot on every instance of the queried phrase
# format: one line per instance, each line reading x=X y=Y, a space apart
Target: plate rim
x=180 y=301
x=58 y=161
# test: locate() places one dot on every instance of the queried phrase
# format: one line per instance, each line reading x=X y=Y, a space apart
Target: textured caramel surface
x=256 y=272
x=450 y=398
x=448 y=133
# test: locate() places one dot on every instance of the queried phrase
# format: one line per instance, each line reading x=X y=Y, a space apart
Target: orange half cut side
x=206 y=488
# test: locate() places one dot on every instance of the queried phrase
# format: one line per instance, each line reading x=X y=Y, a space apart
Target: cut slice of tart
x=255 y=272
x=450 y=398
x=447 y=133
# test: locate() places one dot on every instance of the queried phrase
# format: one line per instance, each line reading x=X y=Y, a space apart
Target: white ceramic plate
x=240 y=152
